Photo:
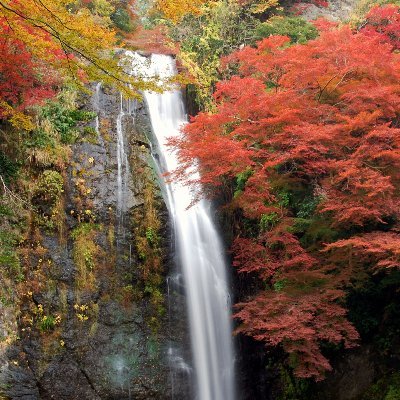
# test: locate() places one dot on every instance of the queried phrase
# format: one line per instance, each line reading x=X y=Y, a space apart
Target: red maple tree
x=318 y=121
x=24 y=80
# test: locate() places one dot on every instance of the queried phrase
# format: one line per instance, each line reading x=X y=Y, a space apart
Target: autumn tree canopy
x=44 y=41
x=175 y=10
x=305 y=142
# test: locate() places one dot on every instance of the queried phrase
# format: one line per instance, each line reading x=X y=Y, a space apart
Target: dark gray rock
x=352 y=375
x=107 y=350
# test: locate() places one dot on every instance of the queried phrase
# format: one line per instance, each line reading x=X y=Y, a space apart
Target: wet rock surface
x=119 y=334
x=353 y=374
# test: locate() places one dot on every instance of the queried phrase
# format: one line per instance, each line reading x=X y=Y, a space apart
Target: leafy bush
x=90 y=134
x=9 y=259
x=222 y=28
x=151 y=237
x=298 y=29
x=84 y=254
x=8 y=168
x=50 y=186
x=47 y=323
x=122 y=20
x=64 y=119
x=40 y=139
x=386 y=388
x=267 y=221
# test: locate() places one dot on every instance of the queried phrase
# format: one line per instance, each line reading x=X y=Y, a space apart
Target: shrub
x=122 y=20
x=8 y=168
x=50 y=186
x=298 y=29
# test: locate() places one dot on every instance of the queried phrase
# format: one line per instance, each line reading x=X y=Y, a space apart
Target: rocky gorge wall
x=93 y=323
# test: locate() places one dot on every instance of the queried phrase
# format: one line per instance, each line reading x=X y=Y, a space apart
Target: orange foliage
x=174 y=10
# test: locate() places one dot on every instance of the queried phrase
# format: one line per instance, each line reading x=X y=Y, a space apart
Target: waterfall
x=199 y=248
x=97 y=108
x=123 y=165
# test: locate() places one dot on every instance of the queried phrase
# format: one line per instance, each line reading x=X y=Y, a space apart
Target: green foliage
x=89 y=261
x=222 y=27
x=90 y=134
x=241 y=180
x=50 y=186
x=315 y=231
x=11 y=227
x=101 y=7
x=386 y=388
x=8 y=168
x=9 y=260
x=268 y=221
x=292 y=387
x=84 y=254
x=47 y=323
x=5 y=210
x=157 y=303
x=307 y=222
x=152 y=237
x=121 y=19
x=147 y=225
x=393 y=392
x=284 y=198
x=40 y=139
x=64 y=118
x=297 y=28
x=84 y=229
x=280 y=285
x=132 y=293
x=306 y=208
x=82 y=115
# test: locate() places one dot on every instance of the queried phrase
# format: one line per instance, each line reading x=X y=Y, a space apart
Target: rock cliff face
x=98 y=325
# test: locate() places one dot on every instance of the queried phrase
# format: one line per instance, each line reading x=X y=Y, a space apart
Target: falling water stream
x=123 y=165
x=199 y=249
x=97 y=108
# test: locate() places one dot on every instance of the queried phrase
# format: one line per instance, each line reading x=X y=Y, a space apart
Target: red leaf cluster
x=324 y=115
x=25 y=80
x=298 y=323
x=385 y=21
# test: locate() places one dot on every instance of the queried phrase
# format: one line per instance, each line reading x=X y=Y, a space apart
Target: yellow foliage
x=16 y=118
x=174 y=10
x=103 y=8
x=71 y=39
x=203 y=76
x=263 y=5
x=84 y=254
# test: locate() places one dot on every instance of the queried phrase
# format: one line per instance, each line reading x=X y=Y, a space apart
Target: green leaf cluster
x=296 y=28
x=65 y=119
x=121 y=19
x=222 y=27
x=8 y=168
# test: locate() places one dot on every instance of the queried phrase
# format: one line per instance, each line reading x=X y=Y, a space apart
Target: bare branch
x=12 y=196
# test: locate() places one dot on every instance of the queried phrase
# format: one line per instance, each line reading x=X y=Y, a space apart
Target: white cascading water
x=123 y=166
x=97 y=107
x=198 y=246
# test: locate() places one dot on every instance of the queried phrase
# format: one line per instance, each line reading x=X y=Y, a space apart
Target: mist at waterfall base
x=198 y=246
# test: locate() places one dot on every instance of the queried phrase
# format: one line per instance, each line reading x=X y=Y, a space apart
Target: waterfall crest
x=198 y=246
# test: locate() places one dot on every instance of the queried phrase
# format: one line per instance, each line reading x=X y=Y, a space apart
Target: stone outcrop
x=100 y=325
